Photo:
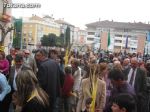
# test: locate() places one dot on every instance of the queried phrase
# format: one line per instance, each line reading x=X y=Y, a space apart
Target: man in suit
x=13 y=73
x=49 y=76
x=136 y=78
x=86 y=90
x=126 y=67
x=29 y=60
x=14 y=70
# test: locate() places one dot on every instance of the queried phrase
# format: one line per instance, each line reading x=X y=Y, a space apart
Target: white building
x=121 y=34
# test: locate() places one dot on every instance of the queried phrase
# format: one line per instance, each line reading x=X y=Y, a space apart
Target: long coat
x=50 y=78
x=100 y=95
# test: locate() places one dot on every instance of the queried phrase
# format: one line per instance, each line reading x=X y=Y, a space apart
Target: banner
x=126 y=44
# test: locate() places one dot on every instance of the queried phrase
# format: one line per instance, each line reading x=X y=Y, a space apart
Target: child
x=88 y=104
x=67 y=88
x=124 y=103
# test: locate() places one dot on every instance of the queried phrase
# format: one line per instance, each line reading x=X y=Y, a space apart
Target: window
x=118 y=41
x=117 y=47
x=118 y=35
x=91 y=33
x=90 y=39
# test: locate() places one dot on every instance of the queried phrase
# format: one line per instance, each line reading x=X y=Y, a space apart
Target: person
x=50 y=77
x=147 y=66
x=88 y=104
x=18 y=62
x=53 y=54
x=14 y=70
x=4 y=64
x=30 y=61
x=4 y=91
x=67 y=89
x=126 y=67
x=88 y=86
x=124 y=103
x=137 y=79
x=30 y=96
x=104 y=76
x=10 y=57
x=76 y=72
x=120 y=85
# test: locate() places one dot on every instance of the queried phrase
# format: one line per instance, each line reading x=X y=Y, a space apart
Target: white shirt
x=14 y=81
x=129 y=76
x=77 y=79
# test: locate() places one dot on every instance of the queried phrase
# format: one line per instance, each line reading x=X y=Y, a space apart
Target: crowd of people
x=89 y=82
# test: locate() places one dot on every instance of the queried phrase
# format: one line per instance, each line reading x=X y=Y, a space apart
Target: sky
x=81 y=12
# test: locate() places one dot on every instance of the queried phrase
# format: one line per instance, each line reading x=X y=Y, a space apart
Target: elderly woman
x=29 y=95
x=4 y=64
x=94 y=89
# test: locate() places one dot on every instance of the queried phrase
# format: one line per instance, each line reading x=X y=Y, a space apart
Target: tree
x=49 y=40
x=5 y=30
x=52 y=39
x=59 y=42
x=45 y=40
x=67 y=36
x=17 y=42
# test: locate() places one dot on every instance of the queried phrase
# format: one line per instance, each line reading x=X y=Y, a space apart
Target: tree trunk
x=2 y=39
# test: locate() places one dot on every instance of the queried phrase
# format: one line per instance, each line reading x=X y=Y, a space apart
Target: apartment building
x=79 y=36
x=35 y=27
x=123 y=36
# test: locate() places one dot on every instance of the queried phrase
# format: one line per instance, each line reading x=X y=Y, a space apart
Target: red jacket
x=68 y=85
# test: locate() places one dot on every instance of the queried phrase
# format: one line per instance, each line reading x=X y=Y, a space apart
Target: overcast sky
x=81 y=12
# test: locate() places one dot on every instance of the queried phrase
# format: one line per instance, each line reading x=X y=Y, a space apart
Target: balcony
x=118 y=38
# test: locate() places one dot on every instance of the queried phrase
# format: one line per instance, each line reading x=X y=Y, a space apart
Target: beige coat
x=84 y=94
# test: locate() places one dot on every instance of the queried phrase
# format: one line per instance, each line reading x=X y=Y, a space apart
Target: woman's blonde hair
x=27 y=83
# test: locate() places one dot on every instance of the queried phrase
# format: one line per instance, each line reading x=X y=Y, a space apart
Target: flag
x=126 y=44
x=108 y=41
x=148 y=36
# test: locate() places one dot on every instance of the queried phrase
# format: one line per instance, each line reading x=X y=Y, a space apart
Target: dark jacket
x=50 y=79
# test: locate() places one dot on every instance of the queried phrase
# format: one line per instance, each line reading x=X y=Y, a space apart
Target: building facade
x=63 y=28
x=123 y=36
x=79 y=36
x=35 y=27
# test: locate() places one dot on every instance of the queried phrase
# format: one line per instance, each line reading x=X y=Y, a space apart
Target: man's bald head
x=134 y=62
